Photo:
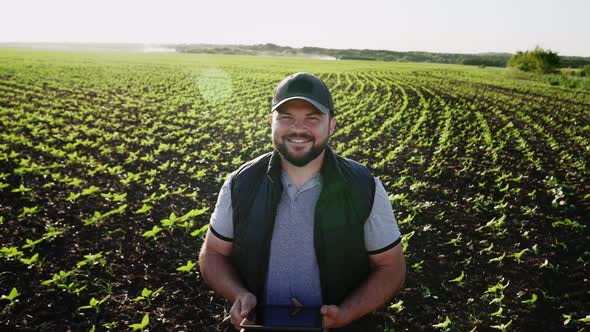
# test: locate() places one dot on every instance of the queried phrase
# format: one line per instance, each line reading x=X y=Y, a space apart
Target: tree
x=538 y=60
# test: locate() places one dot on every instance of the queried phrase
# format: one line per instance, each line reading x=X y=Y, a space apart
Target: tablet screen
x=285 y=318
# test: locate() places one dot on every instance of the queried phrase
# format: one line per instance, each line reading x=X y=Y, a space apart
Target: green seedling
x=60 y=277
x=498 y=259
x=72 y=287
x=459 y=279
x=89 y=191
x=398 y=306
x=131 y=177
x=519 y=254
x=488 y=249
x=407 y=220
x=51 y=233
x=92 y=259
x=418 y=265
x=194 y=213
x=73 y=196
x=148 y=295
x=28 y=211
x=497 y=300
x=502 y=327
x=140 y=326
x=585 y=320
x=567 y=319
x=94 y=304
x=498 y=287
x=169 y=223
x=152 y=233
x=494 y=224
x=445 y=326
x=11 y=296
x=200 y=231
x=199 y=174
x=22 y=189
x=531 y=301
x=10 y=252
x=111 y=325
x=120 y=197
x=30 y=261
x=150 y=199
x=144 y=209
x=498 y=312
x=568 y=223
x=188 y=267
x=454 y=241
x=406 y=239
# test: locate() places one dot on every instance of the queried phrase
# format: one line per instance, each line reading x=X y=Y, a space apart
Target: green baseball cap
x=303 y=86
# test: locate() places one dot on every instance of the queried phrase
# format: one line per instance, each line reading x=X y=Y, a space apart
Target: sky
x=452 y=26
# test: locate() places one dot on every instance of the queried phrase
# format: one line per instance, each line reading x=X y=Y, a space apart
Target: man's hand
x=334 y=316
x=241 y=307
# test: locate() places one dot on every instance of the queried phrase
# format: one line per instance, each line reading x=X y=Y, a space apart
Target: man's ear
x=270 y=119
x=332 y=125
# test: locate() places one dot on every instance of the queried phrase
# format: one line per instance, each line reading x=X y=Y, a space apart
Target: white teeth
x=298 y=141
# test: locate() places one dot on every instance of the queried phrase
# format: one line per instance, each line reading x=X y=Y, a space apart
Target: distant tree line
x=481 y=59
x=538 y=60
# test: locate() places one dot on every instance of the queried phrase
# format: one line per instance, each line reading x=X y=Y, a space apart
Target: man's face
x=300 y=132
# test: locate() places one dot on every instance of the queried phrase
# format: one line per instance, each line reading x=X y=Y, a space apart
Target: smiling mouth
x=298 y=140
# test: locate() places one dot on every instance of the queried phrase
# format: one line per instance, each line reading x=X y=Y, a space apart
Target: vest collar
x=331 y=171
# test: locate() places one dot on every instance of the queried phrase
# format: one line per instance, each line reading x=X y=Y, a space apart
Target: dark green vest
x=342 y=208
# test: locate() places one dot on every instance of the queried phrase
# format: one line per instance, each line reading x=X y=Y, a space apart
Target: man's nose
x=298 y=125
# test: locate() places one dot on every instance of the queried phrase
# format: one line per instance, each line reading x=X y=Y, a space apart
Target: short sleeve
x=221 y=222
x=381 y=230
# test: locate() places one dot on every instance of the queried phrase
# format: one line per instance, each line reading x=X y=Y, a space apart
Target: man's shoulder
x=251 y=169
x=352 y=166
x=261 y=160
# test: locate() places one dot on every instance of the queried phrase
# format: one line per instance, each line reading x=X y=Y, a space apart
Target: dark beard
x=303 y=160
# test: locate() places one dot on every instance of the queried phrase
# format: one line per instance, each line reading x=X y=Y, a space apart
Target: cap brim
x=317 y=105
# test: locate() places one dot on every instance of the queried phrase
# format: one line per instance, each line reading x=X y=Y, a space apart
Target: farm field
x=110 y=164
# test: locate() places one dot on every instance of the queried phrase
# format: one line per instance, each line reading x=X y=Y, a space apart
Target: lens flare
x=214 y=84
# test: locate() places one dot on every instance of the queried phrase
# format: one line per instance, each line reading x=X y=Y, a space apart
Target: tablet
x=283 y=318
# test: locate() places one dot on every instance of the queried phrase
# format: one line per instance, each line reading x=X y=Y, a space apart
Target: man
x=303 y=226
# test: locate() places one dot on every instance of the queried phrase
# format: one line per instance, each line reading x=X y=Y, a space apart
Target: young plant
x=398 y=306
x=91 y=260
x=459 y=279
x=95 y=304
x=519 y=254
x=200 y=231
x=148 y=295
x=445 y=326
x=11 y=296
x=170 y=222
x=502 y=327
x=152 y=233
x=188 y=267
x=531 y=301
x=10 y=252
x=144 y=209
x=418 y=265
x=30 y=261
x=140 y=326
x=498 y=259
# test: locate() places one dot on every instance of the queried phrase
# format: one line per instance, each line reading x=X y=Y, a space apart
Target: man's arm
x=387 y=277
x=221 y=276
